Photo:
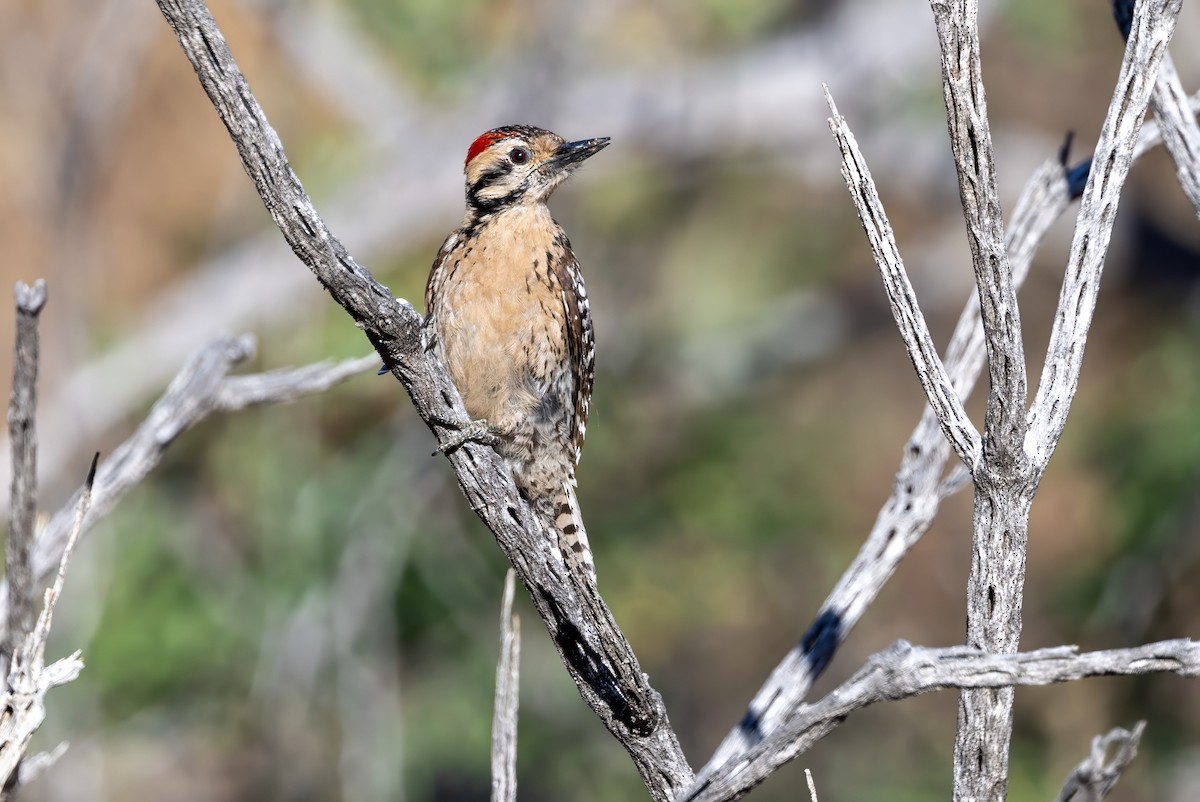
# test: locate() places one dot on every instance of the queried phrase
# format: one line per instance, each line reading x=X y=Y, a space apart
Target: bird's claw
x=476 y=431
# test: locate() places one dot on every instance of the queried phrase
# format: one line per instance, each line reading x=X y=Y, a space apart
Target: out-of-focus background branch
x=321 y=605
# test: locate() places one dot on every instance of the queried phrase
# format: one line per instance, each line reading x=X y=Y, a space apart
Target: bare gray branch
x=1011 y=471
x=1093 y=778
x=201 y=387
x=1153 y=26
x=30 y=678
x=1180 y=133
x=917 y=490
x=22 y=433
x=508 y=695
x=904 y=670
x=932 y=373
x=971 y=143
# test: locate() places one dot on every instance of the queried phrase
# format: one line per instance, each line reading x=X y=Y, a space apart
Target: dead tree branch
x=1154 y=24
x=22 y=433
x=600 y=660
x=508 y=696
x=1181 y=134
x=1018 y=445
x=905 y=670
x=201 y=388
x=29 y=678
x=918 y=487
x=939 y=391
x=1096 y=775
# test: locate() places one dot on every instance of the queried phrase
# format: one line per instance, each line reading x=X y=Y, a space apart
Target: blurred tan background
x=299 y=606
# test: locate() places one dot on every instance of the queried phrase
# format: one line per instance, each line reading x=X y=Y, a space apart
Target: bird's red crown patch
x=482 y=143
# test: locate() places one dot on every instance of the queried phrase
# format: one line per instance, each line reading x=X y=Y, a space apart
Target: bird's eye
x=518 y=155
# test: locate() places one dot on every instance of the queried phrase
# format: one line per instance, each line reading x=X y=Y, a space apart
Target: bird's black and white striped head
x=520 y=164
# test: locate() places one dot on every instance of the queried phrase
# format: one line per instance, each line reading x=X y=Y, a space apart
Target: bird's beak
x=570 y=154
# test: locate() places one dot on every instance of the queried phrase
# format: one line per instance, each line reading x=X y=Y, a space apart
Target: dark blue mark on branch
x=821 y=641
x=1123 y=14
x=751 y=727
x=1076 y=176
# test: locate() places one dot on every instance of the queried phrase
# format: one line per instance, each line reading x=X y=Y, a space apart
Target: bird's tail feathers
x=572 y=537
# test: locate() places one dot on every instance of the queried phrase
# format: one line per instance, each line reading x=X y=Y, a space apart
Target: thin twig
x=904 y=670
x=812 y=787
x=974 y=161
x=1181 y=134
x=508 y=695
x=201 y=387
x=596 y=653
x=30 y=678
x=22 y=433
x=46 y=619
x=1093 y=778
x=932 y=373
x=1154 y=24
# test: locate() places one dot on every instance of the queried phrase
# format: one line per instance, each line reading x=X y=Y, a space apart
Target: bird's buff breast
x=500 y=322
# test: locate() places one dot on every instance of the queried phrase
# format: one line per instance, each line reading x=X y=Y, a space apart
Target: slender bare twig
x=932 y=374
x=29 y=678
x=812 y=787
x=1096 y=775
x=201 y=387
x=1151 y=134
x=904 y=670
x=22 y=433
x=1154 y=24
x=918 y=487
x=508 y=695
x=971 y=143
x=600 y=660
x=1181 y=135
x=1170 y=103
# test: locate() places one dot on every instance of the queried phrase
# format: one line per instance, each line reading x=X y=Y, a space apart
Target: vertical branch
x=22 y=411
x=508 y=694
x=1005 y=487
x=1004 y=484
x=971 y=143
